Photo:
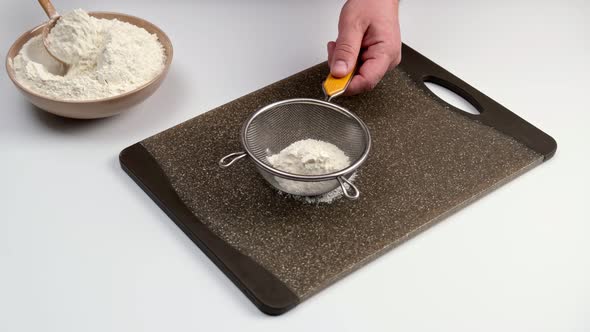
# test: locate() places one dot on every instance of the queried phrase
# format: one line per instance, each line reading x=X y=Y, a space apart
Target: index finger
x=368 y=75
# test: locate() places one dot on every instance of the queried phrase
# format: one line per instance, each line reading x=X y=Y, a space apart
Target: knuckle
x=348 y=16
x=393 y=48
x=372 y=85
x=395 y=55
x=369 y=85
x=345 y=48
x=348 y=21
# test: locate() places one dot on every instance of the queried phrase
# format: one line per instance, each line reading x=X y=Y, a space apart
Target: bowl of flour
x=114 y=61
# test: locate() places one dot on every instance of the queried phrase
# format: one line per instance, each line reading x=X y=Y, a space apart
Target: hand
x=370 y=25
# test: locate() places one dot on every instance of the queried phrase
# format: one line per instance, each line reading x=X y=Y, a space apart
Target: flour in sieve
x=308 y=157
x=106 y=58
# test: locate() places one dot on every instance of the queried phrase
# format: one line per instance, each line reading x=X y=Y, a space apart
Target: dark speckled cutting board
x=428 y=160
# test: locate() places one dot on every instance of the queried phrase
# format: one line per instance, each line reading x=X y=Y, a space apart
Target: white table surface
x=82 y=248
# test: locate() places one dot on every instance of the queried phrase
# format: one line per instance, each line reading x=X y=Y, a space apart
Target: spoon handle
x=48 y=8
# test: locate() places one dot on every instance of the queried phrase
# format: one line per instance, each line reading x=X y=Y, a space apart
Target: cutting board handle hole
x=444 y=90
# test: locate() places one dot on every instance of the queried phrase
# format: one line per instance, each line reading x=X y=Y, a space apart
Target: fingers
x=373 y=26
x=367 y=78
x=377 y=60
x=346 y=48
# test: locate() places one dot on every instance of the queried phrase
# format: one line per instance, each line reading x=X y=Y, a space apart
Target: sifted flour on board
x=106 y=58
x=308 y=157
x=327 y=198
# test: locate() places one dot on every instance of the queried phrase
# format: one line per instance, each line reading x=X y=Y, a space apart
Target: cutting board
x=428 y=160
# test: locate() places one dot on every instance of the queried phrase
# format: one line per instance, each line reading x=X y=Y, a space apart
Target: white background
x=82 y=248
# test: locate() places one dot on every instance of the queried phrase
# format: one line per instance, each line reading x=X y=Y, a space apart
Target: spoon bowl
x=46 y=30
x=53 y=18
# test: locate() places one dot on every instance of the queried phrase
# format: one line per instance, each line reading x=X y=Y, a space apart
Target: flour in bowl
x=308 y=157
x=105 y=57
x=76 y=37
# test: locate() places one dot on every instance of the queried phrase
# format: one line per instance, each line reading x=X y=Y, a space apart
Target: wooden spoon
x=53 y=18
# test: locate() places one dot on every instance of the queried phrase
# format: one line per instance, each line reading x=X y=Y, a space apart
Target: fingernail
x=340 y=68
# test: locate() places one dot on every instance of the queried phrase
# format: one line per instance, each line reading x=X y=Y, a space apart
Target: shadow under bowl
x=99 y=108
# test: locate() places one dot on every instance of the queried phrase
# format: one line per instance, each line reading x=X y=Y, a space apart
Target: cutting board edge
x=265 y=290
x=493 y=114
x=423 y=228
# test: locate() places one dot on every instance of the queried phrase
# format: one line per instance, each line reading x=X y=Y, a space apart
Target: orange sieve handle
x=334 y=87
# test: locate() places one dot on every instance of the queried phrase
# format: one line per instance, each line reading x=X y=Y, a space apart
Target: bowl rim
x=160 y=33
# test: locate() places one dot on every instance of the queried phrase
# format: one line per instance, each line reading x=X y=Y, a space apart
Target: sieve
x=276 y=126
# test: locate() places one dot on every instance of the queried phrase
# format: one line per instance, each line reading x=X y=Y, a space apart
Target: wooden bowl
x=98 y=108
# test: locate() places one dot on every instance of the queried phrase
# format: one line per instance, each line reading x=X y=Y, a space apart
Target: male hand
x=373 y=27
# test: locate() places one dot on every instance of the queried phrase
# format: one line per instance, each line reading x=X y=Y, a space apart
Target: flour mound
x=106 y=58
x=74 y=37
x=308 y=157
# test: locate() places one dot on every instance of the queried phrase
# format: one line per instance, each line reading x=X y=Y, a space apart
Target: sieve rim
x=300 y=177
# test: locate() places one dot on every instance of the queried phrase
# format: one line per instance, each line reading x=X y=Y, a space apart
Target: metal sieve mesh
x=278 y=125
x=283 y=123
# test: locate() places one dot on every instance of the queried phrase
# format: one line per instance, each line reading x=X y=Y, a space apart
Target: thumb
x=346 y=50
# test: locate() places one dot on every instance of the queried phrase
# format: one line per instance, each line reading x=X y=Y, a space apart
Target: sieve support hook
x=354 y=192
x=231 y=158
